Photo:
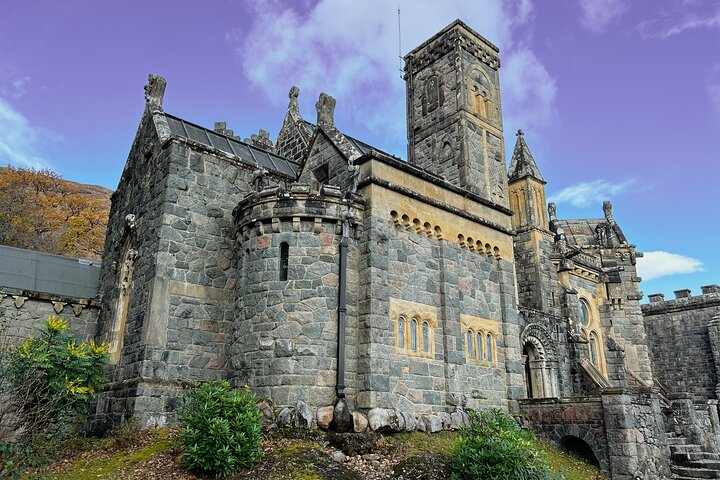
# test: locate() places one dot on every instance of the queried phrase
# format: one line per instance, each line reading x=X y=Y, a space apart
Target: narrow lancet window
x=284 y=258
x=479 y=346
x=488 y=348
x=469 y=341
x=592 y=347
x=413 y=335
x=401 y=332
x=426 y=337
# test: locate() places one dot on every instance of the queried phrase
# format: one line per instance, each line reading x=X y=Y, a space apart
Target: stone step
x=704 y=463
x=703 y=456
x=691 y=472
x=687 y=448
x=677 y=441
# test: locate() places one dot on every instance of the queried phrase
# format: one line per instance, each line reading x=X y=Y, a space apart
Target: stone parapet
x=684 y=300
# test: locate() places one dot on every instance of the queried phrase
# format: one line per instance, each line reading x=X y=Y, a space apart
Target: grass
x=288 y=455
x=104 y=458
x=568 y=465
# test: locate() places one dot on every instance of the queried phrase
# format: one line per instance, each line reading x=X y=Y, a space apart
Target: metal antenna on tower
x=399 y=42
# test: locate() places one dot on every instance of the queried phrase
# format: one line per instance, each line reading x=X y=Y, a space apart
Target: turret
x=527 y=188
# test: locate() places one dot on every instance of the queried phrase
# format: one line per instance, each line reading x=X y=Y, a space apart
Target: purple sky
x=619 y=99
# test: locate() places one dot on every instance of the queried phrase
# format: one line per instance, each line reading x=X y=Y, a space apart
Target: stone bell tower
x=453 y=111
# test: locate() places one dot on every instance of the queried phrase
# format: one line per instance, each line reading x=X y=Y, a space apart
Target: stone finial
x=293 y=95
x=656 y=298
x=607 y=210
x=552 y=210
x=519 y=133
x=708 y=289
x=155 y=91
x=684 y=293
x=325 y=107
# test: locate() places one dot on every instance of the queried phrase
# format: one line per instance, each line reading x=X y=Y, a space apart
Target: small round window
x=584 y=313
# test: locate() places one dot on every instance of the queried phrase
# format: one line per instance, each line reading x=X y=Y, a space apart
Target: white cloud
x=585 y=194
x=350 y=50
x=598 y=14
x=20 y=141
x=15 y=88
x=661 y=264
x=530 y=90
x=678 y=23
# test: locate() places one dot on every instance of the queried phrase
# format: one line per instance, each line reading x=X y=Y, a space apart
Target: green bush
x=495 y=447
x=222 y=431
x=53 y=378
x=46 y=384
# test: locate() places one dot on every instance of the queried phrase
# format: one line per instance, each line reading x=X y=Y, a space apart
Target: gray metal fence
x=53 y=274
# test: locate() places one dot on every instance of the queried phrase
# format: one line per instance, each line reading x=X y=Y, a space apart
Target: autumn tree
x=41 y=211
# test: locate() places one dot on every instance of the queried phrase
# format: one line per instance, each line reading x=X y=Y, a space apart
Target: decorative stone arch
x=540 y=361
x=561 y=432
x=481 y=93
x=124 y=267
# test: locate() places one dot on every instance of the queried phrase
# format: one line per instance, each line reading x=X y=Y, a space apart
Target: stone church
x=326 y=273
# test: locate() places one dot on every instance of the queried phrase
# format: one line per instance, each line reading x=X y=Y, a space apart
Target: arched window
x=284 y=257
x=584 y=313
x=125 y=284
x=469 y=342
x=488 y=348
x=401 y=332
x=413 y=335
x=479 y=346
x=592 y=349
x=426 y=337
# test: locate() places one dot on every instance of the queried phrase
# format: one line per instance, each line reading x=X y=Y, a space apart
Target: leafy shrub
x=222 y=431
x=46 y=384
x=494 y=446
x=54 y=377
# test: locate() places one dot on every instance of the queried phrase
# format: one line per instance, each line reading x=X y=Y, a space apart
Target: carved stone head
x=607 y=209
x=155 y=91
x=325 y=110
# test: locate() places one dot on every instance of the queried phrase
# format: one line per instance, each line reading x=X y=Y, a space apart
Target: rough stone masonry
x=353 y=290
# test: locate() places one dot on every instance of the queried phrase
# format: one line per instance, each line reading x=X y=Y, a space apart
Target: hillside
x=39 y=210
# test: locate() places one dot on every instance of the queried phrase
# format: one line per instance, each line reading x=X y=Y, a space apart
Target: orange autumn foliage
x=41 y=211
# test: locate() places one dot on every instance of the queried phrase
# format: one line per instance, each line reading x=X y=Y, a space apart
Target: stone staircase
x=691 y=461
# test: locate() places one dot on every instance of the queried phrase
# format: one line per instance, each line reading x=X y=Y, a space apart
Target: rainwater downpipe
x=342 y=304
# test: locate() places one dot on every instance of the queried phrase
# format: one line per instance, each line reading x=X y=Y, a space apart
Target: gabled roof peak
x=523 y=164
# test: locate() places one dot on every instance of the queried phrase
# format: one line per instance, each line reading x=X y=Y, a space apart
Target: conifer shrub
x=222 y=430
x=494 y=446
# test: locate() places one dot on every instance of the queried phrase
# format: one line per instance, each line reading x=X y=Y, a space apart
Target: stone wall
x=581 y=418
x=433 y=279
x=173 y=208
x=23 y=314
x=625 y=430
x=681 y=325
x=637 y=442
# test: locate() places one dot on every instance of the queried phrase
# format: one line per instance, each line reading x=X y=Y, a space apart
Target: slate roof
x=523 y=164
x=246 y=153
x=581 y=233
x=361 y=146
